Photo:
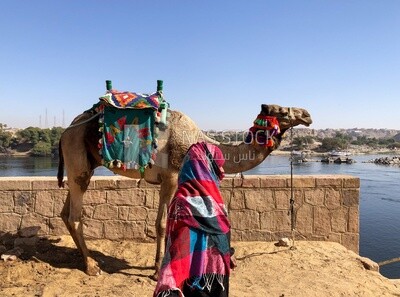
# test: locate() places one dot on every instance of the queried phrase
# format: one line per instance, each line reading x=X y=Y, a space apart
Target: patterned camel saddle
x=129 y=125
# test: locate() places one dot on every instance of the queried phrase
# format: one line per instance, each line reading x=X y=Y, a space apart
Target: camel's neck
x=243 y=157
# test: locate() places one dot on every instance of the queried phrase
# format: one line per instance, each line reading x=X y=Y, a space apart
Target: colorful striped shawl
x=197 y=244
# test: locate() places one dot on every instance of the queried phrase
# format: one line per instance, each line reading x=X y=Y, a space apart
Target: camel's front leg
x=167 y=190
x=72 y=217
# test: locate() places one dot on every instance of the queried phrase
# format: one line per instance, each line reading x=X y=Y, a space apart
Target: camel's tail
x=60 y=173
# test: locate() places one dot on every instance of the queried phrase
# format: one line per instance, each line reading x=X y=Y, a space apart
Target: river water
x=379 y=196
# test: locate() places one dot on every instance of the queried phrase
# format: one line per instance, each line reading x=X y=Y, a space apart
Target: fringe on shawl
x=169 y=292
x=208 y=279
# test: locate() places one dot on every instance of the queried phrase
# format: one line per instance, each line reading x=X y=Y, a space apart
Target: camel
x=79 y=153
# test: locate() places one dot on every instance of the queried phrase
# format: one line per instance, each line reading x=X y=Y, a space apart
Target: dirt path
x=54 y=268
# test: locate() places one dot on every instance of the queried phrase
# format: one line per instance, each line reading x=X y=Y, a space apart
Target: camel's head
x=287 y=116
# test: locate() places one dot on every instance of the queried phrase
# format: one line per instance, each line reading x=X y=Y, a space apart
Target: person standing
x=197 y=260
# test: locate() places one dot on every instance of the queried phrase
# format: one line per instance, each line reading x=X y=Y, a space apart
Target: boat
x=335 y=153
x=338 y=157
x=299 y=156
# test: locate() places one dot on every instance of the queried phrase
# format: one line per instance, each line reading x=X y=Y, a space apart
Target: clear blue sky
x=220 y=60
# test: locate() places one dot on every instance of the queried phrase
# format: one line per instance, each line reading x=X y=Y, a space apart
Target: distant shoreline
x=279 y=152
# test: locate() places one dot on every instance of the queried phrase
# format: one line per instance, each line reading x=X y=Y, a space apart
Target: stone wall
x=326 y=207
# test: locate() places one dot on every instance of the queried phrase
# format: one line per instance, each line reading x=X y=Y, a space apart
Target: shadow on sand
x=47 y=250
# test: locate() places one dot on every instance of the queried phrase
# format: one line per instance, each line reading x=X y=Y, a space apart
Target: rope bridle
x=291 y=211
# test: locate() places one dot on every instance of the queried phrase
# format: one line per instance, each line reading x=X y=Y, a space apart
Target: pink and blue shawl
x=197 y=244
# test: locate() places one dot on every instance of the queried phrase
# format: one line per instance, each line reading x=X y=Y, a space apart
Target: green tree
x=41 y=149
x=30 y=135
x=55 y=135
x=301 y=142
x=331 y=143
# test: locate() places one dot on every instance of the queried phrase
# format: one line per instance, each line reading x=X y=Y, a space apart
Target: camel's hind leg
x=72 y=217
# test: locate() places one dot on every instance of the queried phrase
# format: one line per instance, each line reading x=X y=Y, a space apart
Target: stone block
x=142 y=184
x=137 y=213
x=333 y=198
x=251 y=182
x=151 y=217
x=34 y=219
x=322 y=224
x=280 y=221
x=23 y=202
x=259 y=200
x=302 y=182
x=354 y=220
x=237 y=182
x=94 y=197
x=105 y=212
x=351 y=197
x=151 y=231
x=236 y=235
x=315 y=196
x=13 y=184
x=57 y=227
x=276 y=236
x=339 y=219
x=256 y=235
x=282 y=199
x=49 y=184
x=245 y=219
x=266 y=220
x=226 y=183
x=59 y=199
x=226 y=196
x=123 y=212
x=126 y=197
x=351 y=241
x=328 y=181
x=351 y=182
x=6 y=201
x=10 y=222
x=334 y=237
x=105 y=184
x=44 y=204
x=152 y=198
x=87 y=211
x=237 y=200
x=127 y=183
x=272 y=182
x=305 y=219
x=93 y=229
x=124 y=230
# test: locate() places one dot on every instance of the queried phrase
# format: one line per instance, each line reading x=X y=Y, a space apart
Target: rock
x=29 y=231
x=12 y=255
x=6 y=257
x=283 y=242
x=28 y=242
x=369 y=264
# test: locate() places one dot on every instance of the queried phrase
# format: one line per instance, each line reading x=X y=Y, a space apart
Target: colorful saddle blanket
x=129 y=133
x=131 y=100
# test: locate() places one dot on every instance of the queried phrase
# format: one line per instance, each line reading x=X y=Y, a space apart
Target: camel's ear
x=264 y=109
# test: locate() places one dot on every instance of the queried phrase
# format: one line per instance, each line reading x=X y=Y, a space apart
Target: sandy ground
x=54 y=268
